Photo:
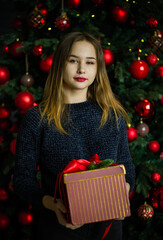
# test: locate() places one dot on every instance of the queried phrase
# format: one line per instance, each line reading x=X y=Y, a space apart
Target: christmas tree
x=130 y=33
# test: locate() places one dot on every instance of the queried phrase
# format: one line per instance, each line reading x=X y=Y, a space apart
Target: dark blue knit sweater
x=37 y=143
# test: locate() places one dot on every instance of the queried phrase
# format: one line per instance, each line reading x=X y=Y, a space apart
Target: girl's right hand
x=59 y=210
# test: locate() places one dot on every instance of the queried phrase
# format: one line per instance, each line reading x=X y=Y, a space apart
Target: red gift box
x=97 y=195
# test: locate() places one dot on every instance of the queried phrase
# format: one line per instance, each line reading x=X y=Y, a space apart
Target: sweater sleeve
x=25 y=183
x=124 y=156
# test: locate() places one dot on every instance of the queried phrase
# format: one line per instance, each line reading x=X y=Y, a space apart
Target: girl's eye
x=73 y=61
x=90 y=62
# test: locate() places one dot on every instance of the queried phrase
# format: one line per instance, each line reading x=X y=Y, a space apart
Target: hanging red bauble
x=98 y=2
x=62 y=22
x=152 y=22
x=38 y=50
x=145 y=109
x=4 y=221
x=3 y=195
x=139 y=69
x=4 y=75
x=152 y=59
x=37 y=19
x=25 y=218
x=24 y=100
x=108 y=56
x=132 y=134
x=17 y=23
x=27 y=80
x=145 y=211
x=120 y=15
x=161 y=155
x=13 y=146
x=143 y=129
x=6 y=49
x=14 y=50
x=156 y=177
x=153 y=146
x=4 y=113
x=73 y=3
x=45 y=64
x=159 y=71
x=42 y=8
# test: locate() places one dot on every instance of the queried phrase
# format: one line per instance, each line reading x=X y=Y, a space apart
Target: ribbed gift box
x=97 y=195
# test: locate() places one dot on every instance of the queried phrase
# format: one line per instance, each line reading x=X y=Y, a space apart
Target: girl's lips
x=80 y=79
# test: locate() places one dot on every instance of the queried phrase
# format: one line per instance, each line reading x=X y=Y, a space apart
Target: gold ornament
x=145 y=211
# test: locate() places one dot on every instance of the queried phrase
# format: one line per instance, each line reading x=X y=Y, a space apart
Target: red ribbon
x=76 y=166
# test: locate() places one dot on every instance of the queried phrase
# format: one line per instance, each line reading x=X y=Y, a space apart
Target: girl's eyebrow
x=79 y=57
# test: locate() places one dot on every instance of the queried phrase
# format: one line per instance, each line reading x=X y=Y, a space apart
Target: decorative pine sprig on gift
x=102 y=164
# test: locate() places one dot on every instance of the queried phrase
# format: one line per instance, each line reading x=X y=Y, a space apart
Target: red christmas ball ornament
x=139 y=69
x=13 y=146
x=4 y=113
x=6 y=49
x=73 y=3
x=38 y=50
x=15 y=50
x=145 y=211
x=62 y=22
x=143 y=129
x=42 y=8
x=17 y=23
x=24 y=100
x=159 y=71
x=161 y=155
x=156 y=177
x=98 y=2
x=145 y=109
x=119 y=14
x=108 y=56
x=25 y=218
x=4 y=75
x=3 y=195
x=4 y=221
x=152 y=59
x=132 y=134
x=153 y=146
x=152 y=22
x=45 y=64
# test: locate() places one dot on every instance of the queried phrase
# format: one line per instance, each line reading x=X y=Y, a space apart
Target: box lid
x=96 y=173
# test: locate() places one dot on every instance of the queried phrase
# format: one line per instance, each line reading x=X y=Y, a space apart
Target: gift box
x=97 y=195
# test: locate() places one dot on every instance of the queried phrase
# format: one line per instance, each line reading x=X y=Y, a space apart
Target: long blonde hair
x=100 y=91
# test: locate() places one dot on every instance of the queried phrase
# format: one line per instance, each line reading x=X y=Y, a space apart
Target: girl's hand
x=59 y=210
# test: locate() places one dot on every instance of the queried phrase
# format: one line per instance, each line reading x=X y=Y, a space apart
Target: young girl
x=77 y=118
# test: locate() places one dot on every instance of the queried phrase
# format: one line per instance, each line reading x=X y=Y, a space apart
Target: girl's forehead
x=83 y=48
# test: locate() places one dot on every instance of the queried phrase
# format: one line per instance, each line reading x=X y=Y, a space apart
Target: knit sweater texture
x=40 y=144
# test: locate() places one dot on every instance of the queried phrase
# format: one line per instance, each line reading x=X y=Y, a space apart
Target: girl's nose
x=81 y=68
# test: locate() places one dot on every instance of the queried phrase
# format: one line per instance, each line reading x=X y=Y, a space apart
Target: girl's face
x=81 y=67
